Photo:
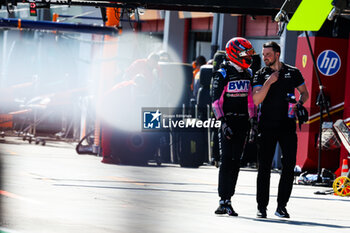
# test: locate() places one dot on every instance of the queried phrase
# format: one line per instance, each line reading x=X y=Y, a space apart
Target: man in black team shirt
x=273 y=87
x=231 y=92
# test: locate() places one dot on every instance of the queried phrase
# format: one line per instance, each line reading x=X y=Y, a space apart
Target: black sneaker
x=225 y=207
x=282 y=212
x=261 y=213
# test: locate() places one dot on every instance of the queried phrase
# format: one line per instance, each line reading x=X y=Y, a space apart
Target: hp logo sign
x=328 y=62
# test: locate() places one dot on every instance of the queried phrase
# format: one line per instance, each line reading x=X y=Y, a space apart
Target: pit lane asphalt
x=52 y=189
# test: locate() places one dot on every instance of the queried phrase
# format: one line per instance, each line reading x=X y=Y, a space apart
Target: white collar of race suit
x=239 y=69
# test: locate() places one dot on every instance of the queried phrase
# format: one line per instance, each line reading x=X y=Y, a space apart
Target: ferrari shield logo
x=304 y=60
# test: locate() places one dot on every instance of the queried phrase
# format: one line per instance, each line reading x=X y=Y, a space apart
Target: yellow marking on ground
x=39 y=177
x=123 y=179
x=10 y=152
x=18 y=197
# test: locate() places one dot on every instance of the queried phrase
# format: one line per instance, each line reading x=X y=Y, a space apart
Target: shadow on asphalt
x=81 y=181
x=169 y=190
x=132 y=182
x=3 y=141
x=138 y=189
x=300 y=197
x=294 y=222
x=52 y=143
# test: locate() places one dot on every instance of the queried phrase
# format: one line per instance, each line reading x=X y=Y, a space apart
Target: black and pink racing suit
x=233 y=104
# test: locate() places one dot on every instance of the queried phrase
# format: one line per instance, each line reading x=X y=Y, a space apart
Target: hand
x=273 y=77
x=227 y=131
x=297 y=106
x=302 y=114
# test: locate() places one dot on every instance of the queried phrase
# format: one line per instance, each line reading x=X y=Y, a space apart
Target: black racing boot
x=225 y=207
x=261 y=213
x=281 y=212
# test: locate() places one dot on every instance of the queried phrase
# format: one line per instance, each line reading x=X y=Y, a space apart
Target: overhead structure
x=281 y=8
x=240 y=7
x=44 y=25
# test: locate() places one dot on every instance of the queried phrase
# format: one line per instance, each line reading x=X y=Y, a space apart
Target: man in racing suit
x=231 y=87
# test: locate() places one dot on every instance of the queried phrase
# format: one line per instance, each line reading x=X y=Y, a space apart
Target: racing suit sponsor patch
x=238 y=86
